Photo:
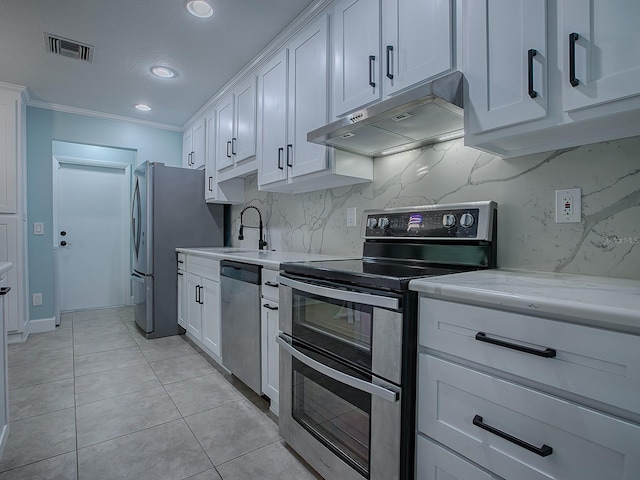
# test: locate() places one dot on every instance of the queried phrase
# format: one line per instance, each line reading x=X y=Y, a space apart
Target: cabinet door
x=182 y=304
x=497 y=38
x=357 y=55
x=308 y=98
x=187 y=149
x=270 y=352
x=194 y=308
x=199 y=135
x=416 y=41
x=272 y=122
x=210 y=186
x=211 y=316
x=9 y=253
x=8 y=154
x=244 y=139
x=224 y=133
x=607 y=51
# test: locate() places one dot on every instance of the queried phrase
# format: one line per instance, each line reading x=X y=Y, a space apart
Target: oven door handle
x=338 y=376
x=346 y=295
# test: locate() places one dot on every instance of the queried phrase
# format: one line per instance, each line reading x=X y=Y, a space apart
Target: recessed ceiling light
x=143 y=107
x=163 y=72
x=199 y=8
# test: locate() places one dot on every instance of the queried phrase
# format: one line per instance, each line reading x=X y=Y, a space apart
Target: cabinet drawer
x=585 y=444
x=270 y=284
x=204 y=267
x=435 y=463
x=595 y=363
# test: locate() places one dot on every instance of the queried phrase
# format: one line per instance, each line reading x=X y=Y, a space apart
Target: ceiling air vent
x=68 y=48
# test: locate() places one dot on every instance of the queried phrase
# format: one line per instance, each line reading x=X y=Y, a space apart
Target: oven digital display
x=415 y=222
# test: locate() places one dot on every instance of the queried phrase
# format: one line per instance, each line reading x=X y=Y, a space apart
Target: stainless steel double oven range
x=348 y=337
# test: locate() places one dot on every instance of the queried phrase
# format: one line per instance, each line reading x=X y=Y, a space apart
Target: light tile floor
x=95 y=400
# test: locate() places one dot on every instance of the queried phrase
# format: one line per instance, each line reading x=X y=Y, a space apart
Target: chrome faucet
x=261 y=242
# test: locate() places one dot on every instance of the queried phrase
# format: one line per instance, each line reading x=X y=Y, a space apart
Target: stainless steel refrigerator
x=168 y=211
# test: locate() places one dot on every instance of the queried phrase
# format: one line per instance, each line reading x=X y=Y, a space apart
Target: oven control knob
x=372 y=222
x=448 y=220
x=466 y=220
x=383 y=222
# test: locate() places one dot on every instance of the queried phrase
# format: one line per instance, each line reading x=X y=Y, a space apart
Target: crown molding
x=301 y=21
x=15 y=88
x=106 y=116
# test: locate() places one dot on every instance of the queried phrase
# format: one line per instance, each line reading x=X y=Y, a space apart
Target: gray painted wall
x=606 y=242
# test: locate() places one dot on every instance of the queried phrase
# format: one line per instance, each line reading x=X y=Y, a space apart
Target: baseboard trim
x=42 y=325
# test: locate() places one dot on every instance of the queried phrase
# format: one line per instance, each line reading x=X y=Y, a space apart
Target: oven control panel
x=459 y=221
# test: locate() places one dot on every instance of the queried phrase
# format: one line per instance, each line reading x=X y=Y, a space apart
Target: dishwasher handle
x=244 y=272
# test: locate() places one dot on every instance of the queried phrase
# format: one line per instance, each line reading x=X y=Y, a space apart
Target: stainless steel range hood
x=426 y=114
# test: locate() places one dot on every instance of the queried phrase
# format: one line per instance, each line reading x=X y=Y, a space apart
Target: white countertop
x=266 y=258
x=5 y=267
x=599 y=301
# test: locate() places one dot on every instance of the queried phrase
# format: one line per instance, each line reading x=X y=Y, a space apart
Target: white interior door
x=92 y=234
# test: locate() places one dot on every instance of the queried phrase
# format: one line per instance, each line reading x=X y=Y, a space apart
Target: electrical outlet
x=36 y=299
x=569 y=205
x=351 y=216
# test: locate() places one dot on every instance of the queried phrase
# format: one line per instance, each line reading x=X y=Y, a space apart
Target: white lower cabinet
x=513 y=396
x=269 y=319
x=4 y=386
x=199 y=303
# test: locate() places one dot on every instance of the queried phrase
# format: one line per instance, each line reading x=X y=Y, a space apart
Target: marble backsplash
x=606 y=242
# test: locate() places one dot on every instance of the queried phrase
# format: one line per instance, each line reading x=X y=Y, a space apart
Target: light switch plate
x=351 y=216
x=569 y=205
x=38 y=228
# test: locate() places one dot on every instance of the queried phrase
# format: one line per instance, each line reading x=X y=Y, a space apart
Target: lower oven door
x=344 y=422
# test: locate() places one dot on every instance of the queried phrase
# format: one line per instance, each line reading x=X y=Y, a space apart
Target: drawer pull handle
x=546 y=353
x=271 y=284
x=270 y=307
x=543 y=451
x=4 y=291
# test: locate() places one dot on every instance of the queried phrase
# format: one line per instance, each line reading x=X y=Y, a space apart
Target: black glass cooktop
x=370 y=273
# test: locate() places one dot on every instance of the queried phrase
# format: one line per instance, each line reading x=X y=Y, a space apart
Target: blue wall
x=46 y=126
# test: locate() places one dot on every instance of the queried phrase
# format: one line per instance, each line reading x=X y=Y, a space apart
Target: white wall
x=605 y=243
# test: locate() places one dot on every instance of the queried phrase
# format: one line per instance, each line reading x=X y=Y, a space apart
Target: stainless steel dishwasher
x=240 y=321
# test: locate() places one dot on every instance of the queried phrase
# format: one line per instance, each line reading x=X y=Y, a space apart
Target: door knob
x=63 y=243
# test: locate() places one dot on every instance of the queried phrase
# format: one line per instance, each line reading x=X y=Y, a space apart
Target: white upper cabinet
x=308 y=98
x=230 y=191
x=272 y=122
x=193 y=146
x=293 y=100
x=416 y=41
x=601 y=43
x=224 y=132
x=8 y=153
x=382 y=47
x=236 y=125
x=505 y=62
x=356 y=54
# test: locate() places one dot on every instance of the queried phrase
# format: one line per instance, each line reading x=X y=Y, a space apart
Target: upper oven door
x=361 y=328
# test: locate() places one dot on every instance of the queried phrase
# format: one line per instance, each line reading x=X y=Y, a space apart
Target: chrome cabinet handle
x=228 y=148
x=338 y=376
x=280 y=152
x=546 y=353
x=210 y=180
x=543 y=451
x=389 y=52
x=233 y=146
x=290 y=159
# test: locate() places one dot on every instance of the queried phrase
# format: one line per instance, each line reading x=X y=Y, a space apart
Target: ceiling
x=130 y=37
